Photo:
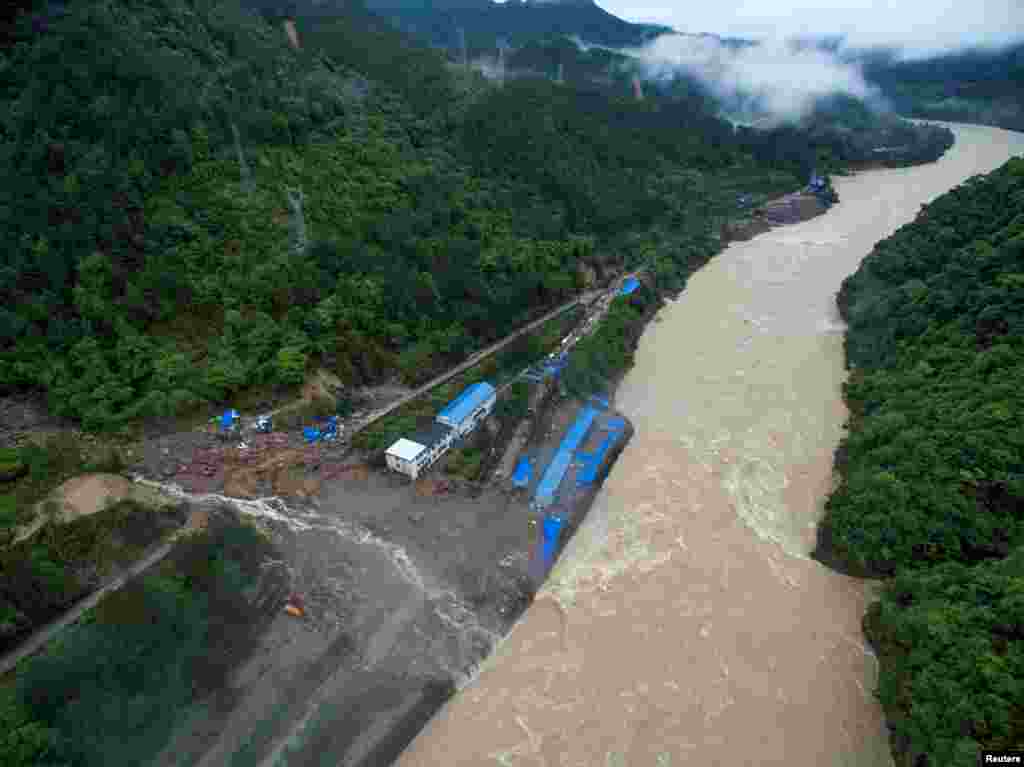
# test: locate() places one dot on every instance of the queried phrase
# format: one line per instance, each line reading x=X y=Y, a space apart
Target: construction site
x=394 y=588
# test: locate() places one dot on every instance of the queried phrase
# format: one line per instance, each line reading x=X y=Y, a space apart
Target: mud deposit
x=405 y=587
x=403 y=595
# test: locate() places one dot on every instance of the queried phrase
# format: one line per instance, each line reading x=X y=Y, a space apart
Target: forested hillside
x=932 y=469
x=483 y=22
x=976 y=86
x=197 y=208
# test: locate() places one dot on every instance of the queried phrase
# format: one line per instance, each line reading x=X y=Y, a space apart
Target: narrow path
x=473 y=359
x=43 y=635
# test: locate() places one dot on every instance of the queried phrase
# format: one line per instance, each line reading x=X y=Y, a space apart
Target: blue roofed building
x=467 y=410
x=547 y=488
x=416 y=454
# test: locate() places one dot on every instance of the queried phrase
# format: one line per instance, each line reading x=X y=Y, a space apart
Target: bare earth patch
x=89 y=494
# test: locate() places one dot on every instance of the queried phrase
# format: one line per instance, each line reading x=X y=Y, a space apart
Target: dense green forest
x=113 y=687
x=154 y=258
x=977 y=86
x=483 y=22
x=197 y=208
x=600 y=359
x=932 y=469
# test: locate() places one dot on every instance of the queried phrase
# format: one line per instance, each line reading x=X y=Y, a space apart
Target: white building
x=413 y=455
x=406 y=457
x=417 y=453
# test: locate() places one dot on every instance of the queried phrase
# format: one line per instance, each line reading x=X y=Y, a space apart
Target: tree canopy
x=932 y=469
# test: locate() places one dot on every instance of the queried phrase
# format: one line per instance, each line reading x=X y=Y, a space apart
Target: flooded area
x=398 y=590
x=402 y=596
x=685 y=623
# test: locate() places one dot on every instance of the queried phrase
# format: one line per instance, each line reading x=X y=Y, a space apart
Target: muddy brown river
x=685 y=623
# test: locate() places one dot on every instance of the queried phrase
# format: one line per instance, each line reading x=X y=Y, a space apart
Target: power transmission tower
x=246 y=172
x=299 y=241
x=501 y=62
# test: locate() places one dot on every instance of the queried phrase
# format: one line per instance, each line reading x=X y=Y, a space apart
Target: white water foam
x=450 y=609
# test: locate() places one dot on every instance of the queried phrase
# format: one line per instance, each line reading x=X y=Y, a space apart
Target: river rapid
x=685 y=622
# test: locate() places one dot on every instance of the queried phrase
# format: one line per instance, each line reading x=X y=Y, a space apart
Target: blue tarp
x=552 y=530
x=521 y=476
x=459 y=408
x=631 y=284
x=555 y=367
x=555 y=472
x=328 y=430
x=227 y=421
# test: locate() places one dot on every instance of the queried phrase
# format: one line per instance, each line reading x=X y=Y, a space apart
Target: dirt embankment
x=89 y=494
x=789 y=209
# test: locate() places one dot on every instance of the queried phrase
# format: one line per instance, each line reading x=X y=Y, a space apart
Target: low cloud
x=916 y=27
x=780 y=80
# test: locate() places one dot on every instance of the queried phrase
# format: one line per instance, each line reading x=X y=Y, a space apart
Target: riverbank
x=416 y=586
x=697 y=549
x=404 y=588
x=372 y=608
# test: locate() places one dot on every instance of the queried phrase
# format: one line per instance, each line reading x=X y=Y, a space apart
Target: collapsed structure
x=415 y=454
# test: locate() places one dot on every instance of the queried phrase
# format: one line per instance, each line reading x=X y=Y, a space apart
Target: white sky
x=921 y=26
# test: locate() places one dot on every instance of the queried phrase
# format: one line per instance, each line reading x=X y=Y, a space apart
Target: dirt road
x=35 y=642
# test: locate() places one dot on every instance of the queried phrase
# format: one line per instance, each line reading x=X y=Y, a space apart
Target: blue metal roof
x=471 y=398
x=555 y=472
x=552 y=528
x=522 y=474
x=631 y=284
x=592 y=461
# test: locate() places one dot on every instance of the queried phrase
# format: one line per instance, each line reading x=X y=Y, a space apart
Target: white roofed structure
x=406 y=450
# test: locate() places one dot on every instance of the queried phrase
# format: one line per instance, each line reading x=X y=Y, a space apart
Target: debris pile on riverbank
x=792 y=209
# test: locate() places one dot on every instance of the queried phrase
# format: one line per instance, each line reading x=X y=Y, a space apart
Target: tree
x=291 y=365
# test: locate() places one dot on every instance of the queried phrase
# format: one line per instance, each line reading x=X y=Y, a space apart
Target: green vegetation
x=47 y=573
x=842 y=131
x=45 y=467
x=466 y=462
x=599 y=359
x=12 y=466
x=514 y=402
x=974 y=86
x=951 y=641
x=495 y=370
x=190 y=288
x=112 y=688
x=202 y=211
x=932 y=469
x=484 y=23
x=936 y=330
